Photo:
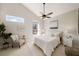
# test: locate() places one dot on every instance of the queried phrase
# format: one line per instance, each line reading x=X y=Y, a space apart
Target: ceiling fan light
x=44 y=19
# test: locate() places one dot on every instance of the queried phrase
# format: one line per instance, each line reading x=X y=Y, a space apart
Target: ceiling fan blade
x=50 y=13
x=48 y=17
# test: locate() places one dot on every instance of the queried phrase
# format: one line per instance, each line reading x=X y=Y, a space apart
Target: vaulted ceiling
x=56 y=8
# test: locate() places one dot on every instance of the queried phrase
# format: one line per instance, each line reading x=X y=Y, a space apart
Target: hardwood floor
x=30 y=50
x=60 y=51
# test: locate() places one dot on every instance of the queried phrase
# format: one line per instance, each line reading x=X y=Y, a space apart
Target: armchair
x=18 y=41
x=67 y=39
x=74 y=50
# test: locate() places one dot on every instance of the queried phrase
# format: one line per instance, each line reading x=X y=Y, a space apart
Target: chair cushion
x=71 y=51
x=75 y=43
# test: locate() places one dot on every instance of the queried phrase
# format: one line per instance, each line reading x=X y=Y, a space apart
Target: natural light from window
x=10 y=18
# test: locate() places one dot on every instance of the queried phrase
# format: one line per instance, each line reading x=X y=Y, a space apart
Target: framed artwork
x=54 y=24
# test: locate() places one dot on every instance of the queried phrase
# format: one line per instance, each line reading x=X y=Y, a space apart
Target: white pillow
x=14 y=37
x=68 y=35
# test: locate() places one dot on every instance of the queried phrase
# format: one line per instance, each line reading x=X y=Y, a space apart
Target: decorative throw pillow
x=14 y=37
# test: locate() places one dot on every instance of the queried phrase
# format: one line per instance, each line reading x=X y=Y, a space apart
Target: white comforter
x=47 y=44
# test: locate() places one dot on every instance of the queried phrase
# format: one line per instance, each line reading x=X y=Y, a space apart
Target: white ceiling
x=56 y=8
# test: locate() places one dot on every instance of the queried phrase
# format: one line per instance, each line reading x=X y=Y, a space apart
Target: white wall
x=66 y=22
x=19 y=11
x=69 y=21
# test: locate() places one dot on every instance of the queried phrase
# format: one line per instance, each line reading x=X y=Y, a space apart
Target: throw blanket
x=47 y=44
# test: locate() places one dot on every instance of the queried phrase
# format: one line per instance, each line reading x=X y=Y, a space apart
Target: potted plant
x=2 y=29
x=4 y=35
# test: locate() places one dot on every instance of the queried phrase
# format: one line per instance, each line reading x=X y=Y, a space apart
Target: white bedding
x=47 y=44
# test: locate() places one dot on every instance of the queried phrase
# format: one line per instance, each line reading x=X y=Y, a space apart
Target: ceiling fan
x=44 y=15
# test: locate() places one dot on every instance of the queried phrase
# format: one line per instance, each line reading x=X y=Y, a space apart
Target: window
x=14 y=19
x=35 y=28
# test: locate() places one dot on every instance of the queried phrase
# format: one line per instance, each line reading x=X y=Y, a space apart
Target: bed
x=47 y=44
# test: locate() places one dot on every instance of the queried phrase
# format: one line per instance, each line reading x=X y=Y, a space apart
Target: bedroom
x=63 y=21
